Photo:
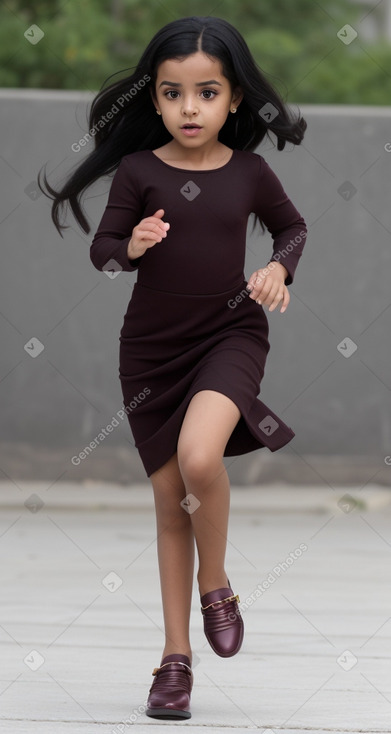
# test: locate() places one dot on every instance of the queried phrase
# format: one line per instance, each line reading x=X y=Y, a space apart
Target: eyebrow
x=198 y=84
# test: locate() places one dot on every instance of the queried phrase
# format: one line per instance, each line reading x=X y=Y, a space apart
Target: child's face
x=185 y=99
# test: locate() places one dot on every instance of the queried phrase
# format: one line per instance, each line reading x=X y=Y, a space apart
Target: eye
x=204 y=91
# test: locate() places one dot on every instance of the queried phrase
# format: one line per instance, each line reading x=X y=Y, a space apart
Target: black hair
x=136 y=126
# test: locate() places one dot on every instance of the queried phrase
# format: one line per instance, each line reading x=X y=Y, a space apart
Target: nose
x=189 y=106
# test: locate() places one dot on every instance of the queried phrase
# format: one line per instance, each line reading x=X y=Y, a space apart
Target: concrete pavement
x=82 y=626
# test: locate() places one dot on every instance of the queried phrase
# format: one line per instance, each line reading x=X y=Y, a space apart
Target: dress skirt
x=172 y=345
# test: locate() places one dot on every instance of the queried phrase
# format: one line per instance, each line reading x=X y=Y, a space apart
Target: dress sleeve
x=285 y=224
x=123 y=211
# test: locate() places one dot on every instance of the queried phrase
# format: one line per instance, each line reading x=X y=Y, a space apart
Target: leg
x=207 y=426
x=175 y=546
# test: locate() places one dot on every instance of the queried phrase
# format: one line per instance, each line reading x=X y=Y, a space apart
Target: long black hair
x=123 y=118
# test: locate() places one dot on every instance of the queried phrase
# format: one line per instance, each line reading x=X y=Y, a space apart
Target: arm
x=123 y=212
x=281 y=218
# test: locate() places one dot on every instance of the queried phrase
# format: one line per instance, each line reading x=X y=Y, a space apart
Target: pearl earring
x=234 y=109
x=158 y=113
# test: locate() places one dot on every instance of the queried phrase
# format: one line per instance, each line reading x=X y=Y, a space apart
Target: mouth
x=190 y=126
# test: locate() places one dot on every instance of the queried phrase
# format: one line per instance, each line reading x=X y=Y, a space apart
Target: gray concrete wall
x=57 y=402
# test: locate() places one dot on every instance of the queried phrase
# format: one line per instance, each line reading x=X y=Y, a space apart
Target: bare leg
x=175 y=546
x=207 y=426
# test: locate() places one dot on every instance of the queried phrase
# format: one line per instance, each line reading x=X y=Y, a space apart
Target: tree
x=294 y=43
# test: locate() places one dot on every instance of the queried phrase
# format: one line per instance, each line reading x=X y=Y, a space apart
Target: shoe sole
x=162 y=713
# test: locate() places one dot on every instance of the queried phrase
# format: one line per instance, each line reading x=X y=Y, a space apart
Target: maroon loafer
x=169 y=694
x=223 y=623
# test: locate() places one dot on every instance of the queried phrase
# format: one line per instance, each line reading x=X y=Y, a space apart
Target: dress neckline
x=194 y=170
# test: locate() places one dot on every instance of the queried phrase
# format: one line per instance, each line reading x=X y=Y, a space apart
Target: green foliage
x=294 y=43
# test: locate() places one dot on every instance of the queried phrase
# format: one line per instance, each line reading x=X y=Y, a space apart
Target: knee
x=198 y=465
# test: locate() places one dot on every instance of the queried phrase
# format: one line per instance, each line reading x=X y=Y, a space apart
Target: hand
x=268 y=287
x=146 y=234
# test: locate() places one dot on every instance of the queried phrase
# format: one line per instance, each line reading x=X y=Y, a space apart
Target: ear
x=237 y=96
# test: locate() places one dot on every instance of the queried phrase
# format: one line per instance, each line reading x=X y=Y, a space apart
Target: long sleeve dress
x=190 y=324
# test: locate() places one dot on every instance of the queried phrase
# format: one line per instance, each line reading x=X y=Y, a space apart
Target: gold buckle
x=222 y=601
x=178 y=662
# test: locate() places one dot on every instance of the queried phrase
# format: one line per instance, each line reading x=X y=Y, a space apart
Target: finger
x=264 y=290
x=285 y=300
x=261 y=285
x=253 y=285
x=276 y=300
x=151 y=227
x=250 y=282
x=150 y=237
x=266 y=296
x=158 y=214
x=161 y=226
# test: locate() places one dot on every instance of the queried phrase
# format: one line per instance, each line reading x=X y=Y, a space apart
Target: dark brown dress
x=190 y=324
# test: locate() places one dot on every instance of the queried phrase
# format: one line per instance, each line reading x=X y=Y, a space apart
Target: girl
x=181 y=131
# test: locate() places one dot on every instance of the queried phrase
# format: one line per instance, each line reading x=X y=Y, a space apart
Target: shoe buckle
x=170 y=662
x=222 y=601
